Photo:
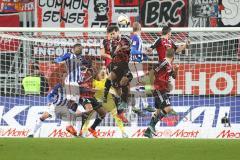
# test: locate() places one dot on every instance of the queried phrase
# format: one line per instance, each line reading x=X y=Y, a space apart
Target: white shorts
x=55 y=111
x=62 y=111
x=72 y=91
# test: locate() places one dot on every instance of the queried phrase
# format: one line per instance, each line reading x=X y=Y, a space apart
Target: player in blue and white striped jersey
x=136 y=67
x=58 y=104
x=136 y=47
x=74 y=64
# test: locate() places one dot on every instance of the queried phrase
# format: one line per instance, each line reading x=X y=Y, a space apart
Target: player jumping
x=120 y=74
x=74 y=61
x=136 y=67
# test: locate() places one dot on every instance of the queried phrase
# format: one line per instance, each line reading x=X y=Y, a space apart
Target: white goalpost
x=205 y=95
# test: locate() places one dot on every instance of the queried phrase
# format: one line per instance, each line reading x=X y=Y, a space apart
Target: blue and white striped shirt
x=57 y=96
x=73 y=63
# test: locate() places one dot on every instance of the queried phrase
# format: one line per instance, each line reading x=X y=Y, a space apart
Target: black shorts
x=162 y=100
x=109 y=68
x=120 y=69
x=93 y=101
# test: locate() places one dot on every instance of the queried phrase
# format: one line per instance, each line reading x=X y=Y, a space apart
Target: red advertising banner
x=208 y=79
x=8 y=44
x=9 y=20
x=128 y=3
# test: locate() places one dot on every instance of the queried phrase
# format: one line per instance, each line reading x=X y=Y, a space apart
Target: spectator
x=35 y=83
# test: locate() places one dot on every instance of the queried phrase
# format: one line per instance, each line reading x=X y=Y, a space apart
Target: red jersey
x=162 y=76
x=161 y=45
x=86 y=87
x=109 y=47
x=122 y=55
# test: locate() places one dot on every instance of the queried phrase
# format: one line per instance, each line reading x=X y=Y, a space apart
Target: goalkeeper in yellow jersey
x=110 y=106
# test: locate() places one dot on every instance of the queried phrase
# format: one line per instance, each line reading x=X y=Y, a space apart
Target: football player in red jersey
x=164 y=42
x=120 y=74
x=162 y=87
x=107 y=46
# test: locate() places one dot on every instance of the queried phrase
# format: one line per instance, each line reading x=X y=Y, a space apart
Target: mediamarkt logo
x=60 y=133
x=179 y=133
x=14 y=132
x=228 y=134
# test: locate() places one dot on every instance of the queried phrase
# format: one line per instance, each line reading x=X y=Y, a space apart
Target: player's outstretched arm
x=62 y=58
x=154 y=46
x=183 y=47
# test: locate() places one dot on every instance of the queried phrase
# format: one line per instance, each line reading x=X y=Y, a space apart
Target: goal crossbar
x=81 y=29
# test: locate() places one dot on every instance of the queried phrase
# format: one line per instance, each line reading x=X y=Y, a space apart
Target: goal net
x=205 y=94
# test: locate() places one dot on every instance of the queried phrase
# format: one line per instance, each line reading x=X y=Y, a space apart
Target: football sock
x=37 y=125
x=96 y=122
x=124 y=95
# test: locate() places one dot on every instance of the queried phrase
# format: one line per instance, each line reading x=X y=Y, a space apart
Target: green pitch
x=124 y=149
